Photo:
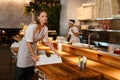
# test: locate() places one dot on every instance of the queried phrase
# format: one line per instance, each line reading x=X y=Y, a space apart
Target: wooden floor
x=5 y=74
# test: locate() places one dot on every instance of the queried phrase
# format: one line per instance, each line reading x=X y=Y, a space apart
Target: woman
x=73 y=32
x=26 y=55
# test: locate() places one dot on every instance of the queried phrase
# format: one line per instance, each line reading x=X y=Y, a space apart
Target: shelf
x=99 y=19
x=104 y=30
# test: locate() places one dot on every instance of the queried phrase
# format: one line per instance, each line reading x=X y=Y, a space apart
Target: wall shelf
x=104 y=30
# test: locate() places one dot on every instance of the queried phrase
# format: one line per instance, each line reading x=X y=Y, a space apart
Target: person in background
x=73 y=32
x=27 y=57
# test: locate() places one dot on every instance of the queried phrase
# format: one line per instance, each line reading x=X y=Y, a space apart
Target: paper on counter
x=49 y=60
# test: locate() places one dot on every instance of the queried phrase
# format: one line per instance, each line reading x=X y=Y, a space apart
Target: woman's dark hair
x=72 y=20
x=37 y=21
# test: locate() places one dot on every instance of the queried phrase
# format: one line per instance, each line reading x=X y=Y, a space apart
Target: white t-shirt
x=73 y=37
x=32 y=35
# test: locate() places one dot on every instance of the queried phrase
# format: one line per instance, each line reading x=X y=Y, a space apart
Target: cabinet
x=99 y=9
x=115 y=8
x=108 y=8
x=86 y=11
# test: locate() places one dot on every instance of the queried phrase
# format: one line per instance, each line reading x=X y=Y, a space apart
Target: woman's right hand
x=35 y=57
x=58 y=54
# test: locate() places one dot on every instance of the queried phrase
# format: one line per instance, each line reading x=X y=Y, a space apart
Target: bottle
x=110 y=48
x=84 y=63
x=60 y=46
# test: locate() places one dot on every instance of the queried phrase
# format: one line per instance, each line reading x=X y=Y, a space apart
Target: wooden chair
x=13 y=58
x=40 y=75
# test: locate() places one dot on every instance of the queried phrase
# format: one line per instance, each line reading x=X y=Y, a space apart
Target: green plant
x=53 y=13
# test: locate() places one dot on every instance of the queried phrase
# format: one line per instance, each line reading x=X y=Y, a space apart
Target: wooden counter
x=17 y=37
x=109 y=71
x=99 y=56
x=15 y=49
x=63 y=71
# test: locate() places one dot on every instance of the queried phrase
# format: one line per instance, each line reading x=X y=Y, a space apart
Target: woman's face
x=69 y=24
x=43 y=18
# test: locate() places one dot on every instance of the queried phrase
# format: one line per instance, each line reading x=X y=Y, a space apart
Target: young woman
x=26 y=55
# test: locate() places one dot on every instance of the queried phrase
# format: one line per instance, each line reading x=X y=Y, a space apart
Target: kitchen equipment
x=85 y=27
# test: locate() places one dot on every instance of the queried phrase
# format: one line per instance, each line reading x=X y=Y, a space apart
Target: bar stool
x=40 y=75
x=13 y=58
x=13 y=54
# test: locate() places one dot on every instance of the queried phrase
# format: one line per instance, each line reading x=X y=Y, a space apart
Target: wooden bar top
x=63 y=71
x=17 y=37
x=109 y=72
x=15 y=49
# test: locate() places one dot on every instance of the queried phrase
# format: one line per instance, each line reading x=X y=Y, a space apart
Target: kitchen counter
x=99 y=61
x=62 y=71
x=96 y=55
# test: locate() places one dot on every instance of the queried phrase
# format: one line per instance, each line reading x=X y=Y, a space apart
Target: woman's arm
x=34 y=56
x=51 y=47
x=45 y=40
x=68 y=36
x=75 y=33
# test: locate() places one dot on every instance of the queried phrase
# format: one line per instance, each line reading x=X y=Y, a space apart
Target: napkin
x=44 y=60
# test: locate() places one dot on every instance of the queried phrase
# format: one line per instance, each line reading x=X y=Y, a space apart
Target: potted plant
x=52 y=10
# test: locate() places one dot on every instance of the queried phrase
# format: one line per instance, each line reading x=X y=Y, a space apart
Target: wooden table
x=62 y=71
x=15 y=49
x=17 y=37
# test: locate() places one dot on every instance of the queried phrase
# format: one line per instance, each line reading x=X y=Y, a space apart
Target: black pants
x=24 y=73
